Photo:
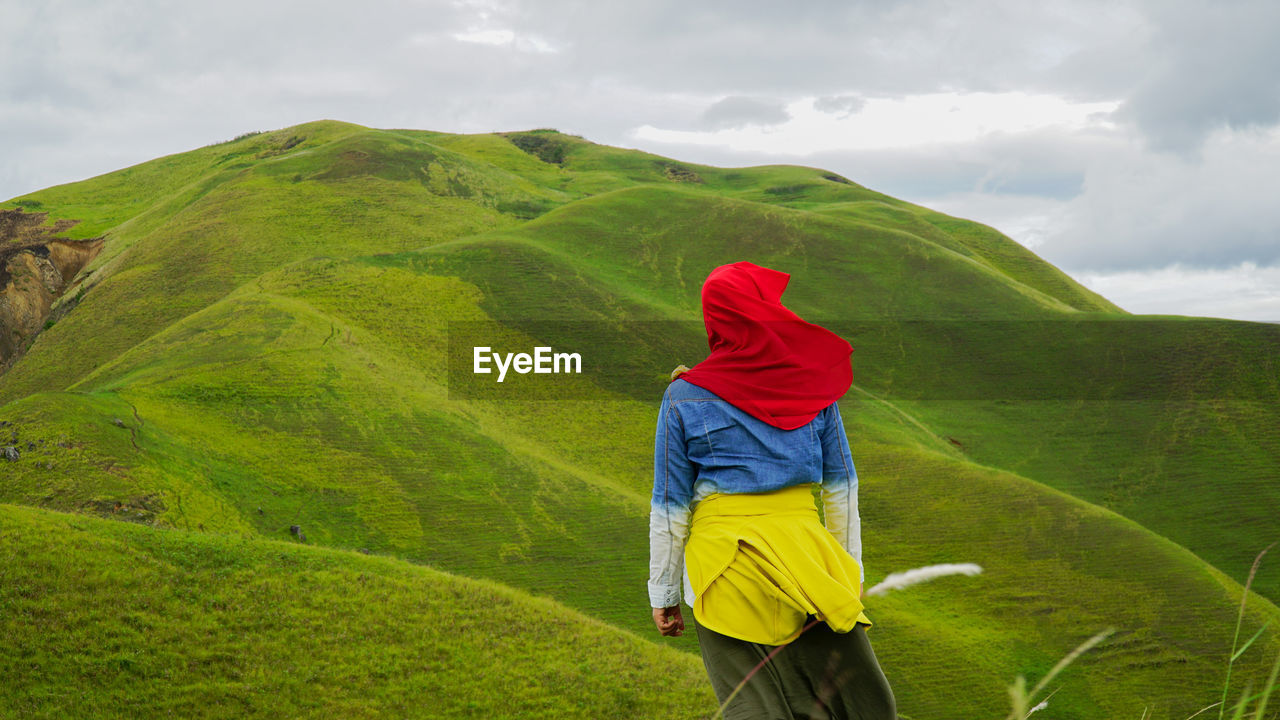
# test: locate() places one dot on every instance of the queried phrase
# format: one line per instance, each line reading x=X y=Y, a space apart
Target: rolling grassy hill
x=277 y=332
x=168 y=623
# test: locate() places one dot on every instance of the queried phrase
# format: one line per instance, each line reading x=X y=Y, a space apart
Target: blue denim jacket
x=705 y=445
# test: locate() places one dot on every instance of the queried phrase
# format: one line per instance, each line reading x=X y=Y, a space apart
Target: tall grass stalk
x=907 y=578
x=1263 y=697
x=1236 y=653
x=1043 y=703
x=1022 y=700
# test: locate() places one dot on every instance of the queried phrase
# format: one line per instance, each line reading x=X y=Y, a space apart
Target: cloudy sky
x=1134 y=144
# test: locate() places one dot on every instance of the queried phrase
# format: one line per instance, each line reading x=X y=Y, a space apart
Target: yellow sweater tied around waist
x=759 y=563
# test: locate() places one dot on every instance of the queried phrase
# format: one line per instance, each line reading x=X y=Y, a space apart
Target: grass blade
x=1266 y=694
x=1071 y=656
x=1206 y=707
x=1242 y=703
x=1246 y=645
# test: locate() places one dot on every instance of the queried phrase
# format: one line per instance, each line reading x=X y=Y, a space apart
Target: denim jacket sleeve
x=840 y=486
x=673 y=477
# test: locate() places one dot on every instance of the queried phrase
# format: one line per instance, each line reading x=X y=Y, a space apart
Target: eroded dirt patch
x=36 y=268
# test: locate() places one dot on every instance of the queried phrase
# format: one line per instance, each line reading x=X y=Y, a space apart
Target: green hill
x=167 y=623
x=277 y=331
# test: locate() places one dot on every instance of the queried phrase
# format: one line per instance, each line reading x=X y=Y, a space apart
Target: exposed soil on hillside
x=36 y=268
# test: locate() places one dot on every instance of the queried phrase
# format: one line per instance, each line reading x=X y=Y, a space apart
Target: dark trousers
x=821 y=674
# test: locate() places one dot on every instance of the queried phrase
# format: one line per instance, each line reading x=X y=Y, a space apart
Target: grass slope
x=164 y=623
x=274 y=339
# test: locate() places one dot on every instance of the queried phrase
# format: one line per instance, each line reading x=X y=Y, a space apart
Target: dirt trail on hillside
x=36 y=268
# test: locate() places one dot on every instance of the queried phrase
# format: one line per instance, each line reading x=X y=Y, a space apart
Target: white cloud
x=1157 y=232
x=842 y=106
x=910 y=121
x=736 y=111
x=1141 y=209
x=1244 y=292
x=522 y=42
x=486 y=37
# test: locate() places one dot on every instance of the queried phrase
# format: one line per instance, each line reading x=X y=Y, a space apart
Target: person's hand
x=669 y=621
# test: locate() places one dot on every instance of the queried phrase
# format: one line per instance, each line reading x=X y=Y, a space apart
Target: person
x=744 y=441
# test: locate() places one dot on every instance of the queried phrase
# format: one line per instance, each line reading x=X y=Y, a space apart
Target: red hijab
x=764 y=359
